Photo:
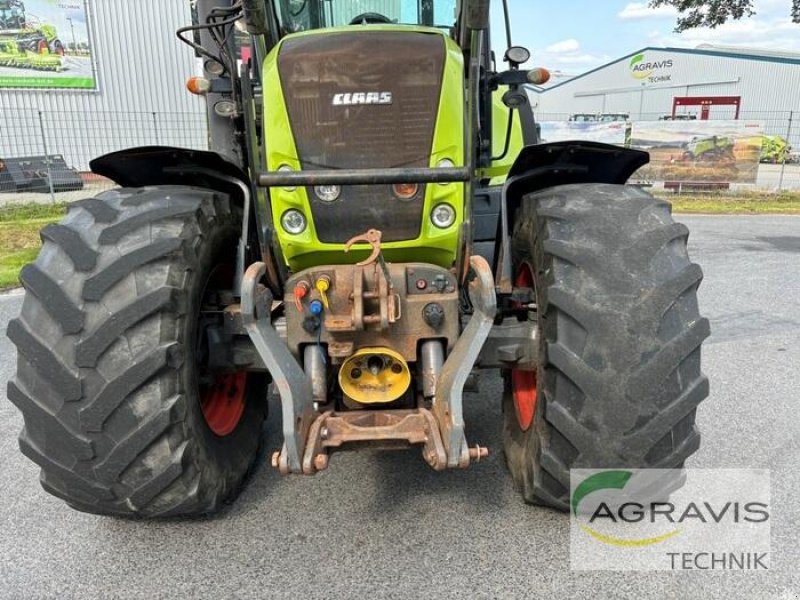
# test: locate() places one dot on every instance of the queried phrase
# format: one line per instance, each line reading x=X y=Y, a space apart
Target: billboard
x=607 y=133
x=699 y=151
x=45 y=44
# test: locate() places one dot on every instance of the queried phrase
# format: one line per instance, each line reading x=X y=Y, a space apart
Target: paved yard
x=384 y=525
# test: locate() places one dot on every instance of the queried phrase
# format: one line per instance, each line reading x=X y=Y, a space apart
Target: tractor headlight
x=445 y=163
x=328 y=193
x=287 y=169
x=293 y=222
x=405 y=191
x=443 y=216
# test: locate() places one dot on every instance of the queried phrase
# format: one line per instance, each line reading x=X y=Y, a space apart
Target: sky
x=574 y=36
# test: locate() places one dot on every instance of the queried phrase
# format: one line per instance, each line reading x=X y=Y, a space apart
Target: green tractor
x=775 y=150
x=710 y=149
x=25 y=45
x=375 y=221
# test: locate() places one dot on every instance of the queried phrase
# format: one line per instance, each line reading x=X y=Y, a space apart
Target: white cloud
x=569 y=55
x=564 y=47
x=640 y=10
x=587 y=60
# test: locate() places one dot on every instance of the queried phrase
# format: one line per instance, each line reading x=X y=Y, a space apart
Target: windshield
x=302 y=15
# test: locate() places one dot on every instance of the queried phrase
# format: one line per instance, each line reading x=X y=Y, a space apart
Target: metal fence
x=78 y=136
x=69 y=140
x=774 y=171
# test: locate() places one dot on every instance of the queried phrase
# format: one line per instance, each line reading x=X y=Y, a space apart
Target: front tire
x=107 y=378
x=619 y=377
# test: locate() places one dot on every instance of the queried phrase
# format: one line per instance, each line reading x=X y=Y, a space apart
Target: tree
x=712 y=13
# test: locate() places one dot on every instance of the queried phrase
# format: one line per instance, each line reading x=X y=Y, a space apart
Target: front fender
x=549 y=165
x=165 y=165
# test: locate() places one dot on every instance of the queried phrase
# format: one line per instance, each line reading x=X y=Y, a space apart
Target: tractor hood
x=366 y=98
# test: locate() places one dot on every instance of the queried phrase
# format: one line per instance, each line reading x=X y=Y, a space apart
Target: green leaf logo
x=636 y=60
x=611 y=480
x=607 y=480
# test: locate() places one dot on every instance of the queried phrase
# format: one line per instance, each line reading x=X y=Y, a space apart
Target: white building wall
x=769 y=89
x=141 y=98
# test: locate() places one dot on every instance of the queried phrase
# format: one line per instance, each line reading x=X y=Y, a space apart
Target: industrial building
x=708 y=82
x=130 y=71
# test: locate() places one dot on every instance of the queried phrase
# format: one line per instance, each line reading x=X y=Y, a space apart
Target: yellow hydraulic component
x=375 y=376
x=323 y=284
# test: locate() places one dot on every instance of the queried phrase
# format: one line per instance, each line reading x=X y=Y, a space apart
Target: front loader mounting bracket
x=448 y=405
x=292 y=383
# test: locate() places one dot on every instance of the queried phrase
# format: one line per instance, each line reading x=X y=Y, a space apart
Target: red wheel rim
x=43 y=47
x=523 y=383
x=223 y=402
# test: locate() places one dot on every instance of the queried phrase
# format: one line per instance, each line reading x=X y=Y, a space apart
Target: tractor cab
x=296 y=16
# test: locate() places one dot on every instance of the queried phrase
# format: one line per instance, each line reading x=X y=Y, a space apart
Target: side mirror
x=477 y=15
x=255 y=16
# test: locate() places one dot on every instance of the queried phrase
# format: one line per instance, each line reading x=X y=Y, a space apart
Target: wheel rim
x=43 y=47
x=223 y=394
x=224 y=401
x=523 y=383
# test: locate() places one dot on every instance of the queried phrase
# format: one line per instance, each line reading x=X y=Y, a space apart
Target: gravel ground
x=383 y=525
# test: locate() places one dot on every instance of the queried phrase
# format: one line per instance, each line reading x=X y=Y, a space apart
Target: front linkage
x=311 y=427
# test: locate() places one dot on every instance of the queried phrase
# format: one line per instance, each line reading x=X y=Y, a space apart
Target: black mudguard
x=164 y=165
x=549 y=165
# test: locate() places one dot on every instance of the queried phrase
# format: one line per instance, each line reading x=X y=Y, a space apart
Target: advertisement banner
x=45 y=44
x=699 y=151
x=607 y=133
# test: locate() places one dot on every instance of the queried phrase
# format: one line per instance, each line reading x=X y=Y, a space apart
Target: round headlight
x=518 y=55
x=293 y=222
x=287 y=169
x=405 y=191
x=443 y=216
x=328 y=193
x=445 y=163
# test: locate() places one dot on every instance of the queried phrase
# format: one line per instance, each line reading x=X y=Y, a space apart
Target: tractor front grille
x=319 y=75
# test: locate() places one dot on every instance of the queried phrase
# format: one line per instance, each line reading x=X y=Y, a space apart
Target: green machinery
x=713 y=148
x=25 y=45
x=376 y=221
x=775 y=150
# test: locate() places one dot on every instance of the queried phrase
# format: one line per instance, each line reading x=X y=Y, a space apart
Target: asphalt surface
x=383 y=525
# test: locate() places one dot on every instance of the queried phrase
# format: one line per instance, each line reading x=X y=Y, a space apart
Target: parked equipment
x=775 y=150
x=375 y=221
x=38 y=174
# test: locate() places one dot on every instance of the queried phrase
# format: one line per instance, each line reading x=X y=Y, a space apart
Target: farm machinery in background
x=704 y=159
x=710 y=149
x=26 y=43
x=775 y=150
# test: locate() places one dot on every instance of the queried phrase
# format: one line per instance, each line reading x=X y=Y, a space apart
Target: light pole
x=72 y=29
